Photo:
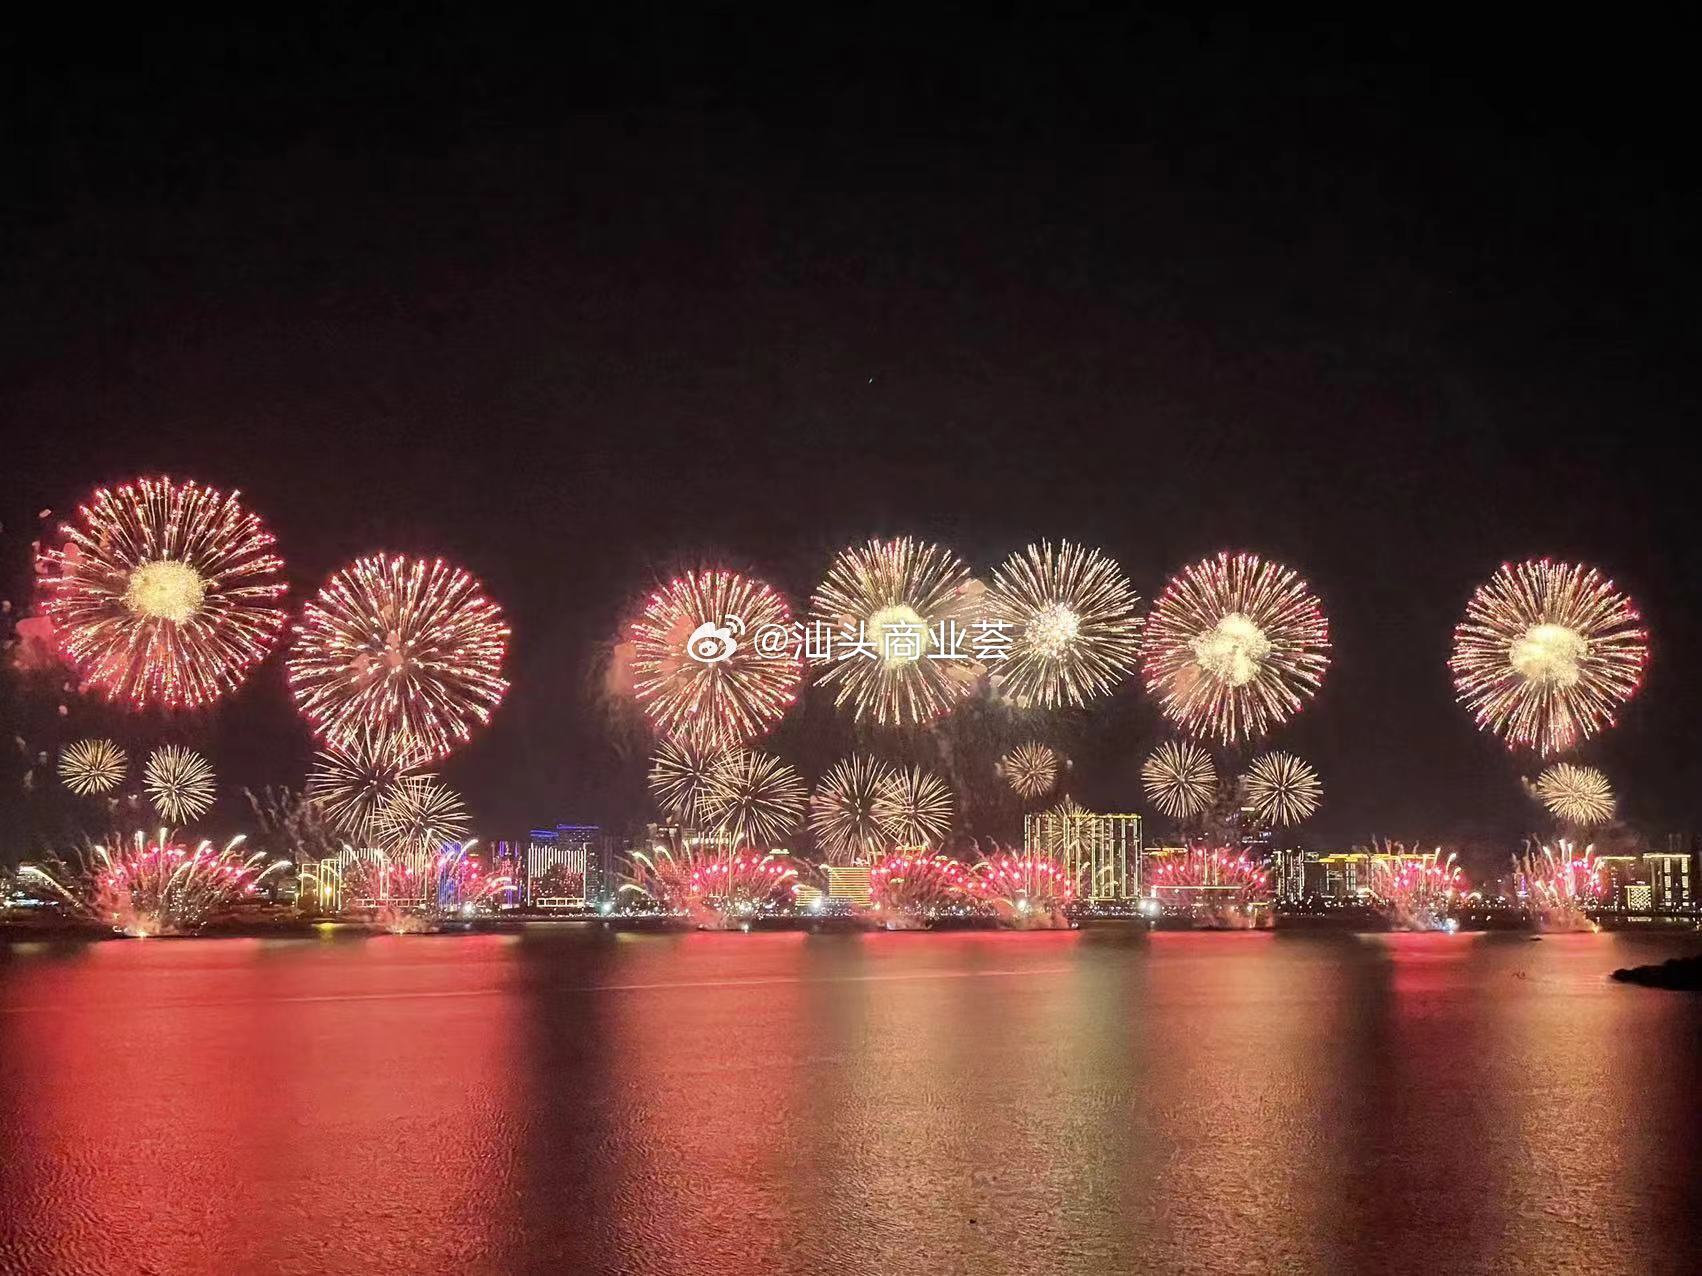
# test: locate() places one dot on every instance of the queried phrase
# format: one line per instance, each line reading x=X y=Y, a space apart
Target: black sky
x=578 y=306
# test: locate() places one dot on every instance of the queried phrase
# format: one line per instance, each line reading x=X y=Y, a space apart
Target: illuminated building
x=1672 y=880
x=849 y=882
x=564 y=867
x=1101 y=853
x=1618 y=875
x=1288 y=873
x=1348 y=875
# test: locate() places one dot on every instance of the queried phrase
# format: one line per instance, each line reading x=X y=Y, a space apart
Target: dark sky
x=576 y=307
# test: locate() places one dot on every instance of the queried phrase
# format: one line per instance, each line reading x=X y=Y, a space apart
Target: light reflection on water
x=1092 y=1101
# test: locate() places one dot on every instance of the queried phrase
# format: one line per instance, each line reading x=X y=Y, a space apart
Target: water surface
x=561 y=1100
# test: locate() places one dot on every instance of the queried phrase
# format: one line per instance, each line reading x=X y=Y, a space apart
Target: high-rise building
x=1672 y=880
x=566 y=866
x=1288 y=873
x=1101 y=853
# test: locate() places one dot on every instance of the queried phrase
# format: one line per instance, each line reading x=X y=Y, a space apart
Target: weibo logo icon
x=710 y=643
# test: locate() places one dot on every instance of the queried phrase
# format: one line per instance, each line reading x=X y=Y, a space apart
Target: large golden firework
x=420 y=817
x=179 y=783
x=903 y=647
x=843 y=810
x=681 y=776
x=1282 y=789
x=92 y=766
x=352 y=784
x=1547 y=653
x=753 y=800
x=1074 y=621
x=1030 y=769
x=1580 y=795
x=1234 y=646
x=715 y=660
x=399 y=646
x=1179 y=779
x=164 y=593
x=914 y=808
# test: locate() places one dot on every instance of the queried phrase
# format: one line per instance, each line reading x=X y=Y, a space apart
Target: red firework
x=1023 y=885
x=914 y=887
x=163 y=593
x=1205 y=878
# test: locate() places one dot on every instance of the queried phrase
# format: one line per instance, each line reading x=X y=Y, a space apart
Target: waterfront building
x=1672 y=880
x=1288 y=873
x=1101 y=853
x=849 y=883
x=565 y=866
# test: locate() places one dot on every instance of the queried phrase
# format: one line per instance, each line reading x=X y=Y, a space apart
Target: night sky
x=578 y=308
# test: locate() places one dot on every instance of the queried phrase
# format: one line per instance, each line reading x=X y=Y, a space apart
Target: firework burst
x=892 y=606
x=1560 y=885
x=1547 y=653
x=1030 y=769
x=706 y=665
x=1415 y=890
x=913 y=807
x=399 y=646
x=164 y=593
x=912 y=889
x=1179 y=779
x=1031 y=888
x=141 y=887
x=1234 y=646
x=421 y=817
x=710 y=883
x=179 y=783
x=1075 y=622
x=406 y=892
x=1580 y=795
x=843 y=814
x=352 y=784
x=753 y=800
x=92 y=766
x=1210 y=883
x=1282 y=789
x=681 y=776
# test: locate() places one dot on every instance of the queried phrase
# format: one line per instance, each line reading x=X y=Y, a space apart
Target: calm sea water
x=570 y=1101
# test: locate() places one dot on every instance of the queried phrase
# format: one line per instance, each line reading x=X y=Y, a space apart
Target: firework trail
x=714 y=659
x=1415 y=890
x=1029 y=889
x=753 y=800
x=889 y=604
x=179 y=783
x=843 y=810
x=1030 y=769
x=1234 y=646
x=92 y=766
x=1180 y=779
x=399 y=646
x=1211 y=884
x=1560 y=885
x=352 y=784
x=712 y=885
x=410 y=891
x=1282 y=790
x=909 y=890
x=913 y=808
x=1578 y=795
x=163 y=593
x=1075 y=621
x=139 y=887
x=1547 y=653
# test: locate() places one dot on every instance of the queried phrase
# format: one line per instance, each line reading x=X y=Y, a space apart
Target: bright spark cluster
x=420 y=817
x=399 y=646
x=905 y=588
x=92 y=766
x=1179 y=779
x=1547 y=653
x=1030 y=769
x=1282 y=789
x=164 y=593
x=681 y=776
x=179 y=783
x=1075 y=622
x=1234 y=646
x=1580 y=795
x=697 y=669
x=913 y=808
x=843 y=810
